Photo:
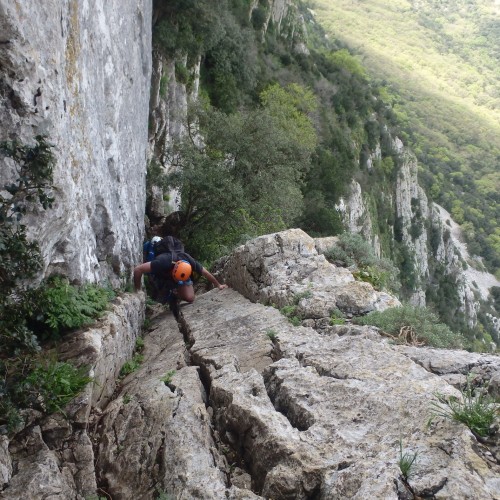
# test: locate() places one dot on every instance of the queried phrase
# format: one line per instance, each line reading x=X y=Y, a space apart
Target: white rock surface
x=79 y=72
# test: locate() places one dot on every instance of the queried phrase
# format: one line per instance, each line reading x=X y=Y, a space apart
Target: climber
x=172 y=274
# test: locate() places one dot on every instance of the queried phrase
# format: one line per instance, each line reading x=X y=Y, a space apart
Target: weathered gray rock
x=328 y=415
x=53 y=457
x=455 y=366
x=79 y=72
x=285 y=268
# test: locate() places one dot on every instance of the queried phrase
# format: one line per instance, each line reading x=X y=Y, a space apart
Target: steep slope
x=362 y=176
x=439 y=62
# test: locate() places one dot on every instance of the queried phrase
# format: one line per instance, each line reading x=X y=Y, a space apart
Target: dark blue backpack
x=155 y=247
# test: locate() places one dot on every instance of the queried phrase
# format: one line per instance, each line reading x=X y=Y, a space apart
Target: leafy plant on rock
x=475 y=408
x=406 y=462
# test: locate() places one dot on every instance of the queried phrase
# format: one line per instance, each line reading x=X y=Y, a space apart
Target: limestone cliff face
x=79 y=73
x=412 y=212
x=432 y=239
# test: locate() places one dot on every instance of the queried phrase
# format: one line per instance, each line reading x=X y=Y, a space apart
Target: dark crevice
x=299 y=418
x=430 y=493
x=322 y=371
x=231 y=449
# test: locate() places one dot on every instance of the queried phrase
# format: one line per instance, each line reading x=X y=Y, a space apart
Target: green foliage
x=10 y=419
x=337 y=317
x=57 y=306
x=406 y=462
x=167 y=378
x=181 y=73
x=188 y=27
x=51 y=385
x=131 y=365
x=139 y=344
x=33 y=165
x=475 y=408
x=346 y=61
x=424 y=323
x=272 y=335
x=230 y=66
x=440 y=60
x=19 y=258
x=163 y=85
x=353 y=250
x=246 y=179
x=306 y=294
x=292 y=314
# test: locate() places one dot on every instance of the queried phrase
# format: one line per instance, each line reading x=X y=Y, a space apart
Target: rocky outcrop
x=53 y=457
x=241 y=404
x=79 y=73
x=355 y=216
x=285 y=269
x=412 y=212
x=433 y=243
x=472 y=285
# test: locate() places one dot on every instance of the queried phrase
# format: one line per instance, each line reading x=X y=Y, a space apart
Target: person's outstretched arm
x=210 y=277
x=138 y=272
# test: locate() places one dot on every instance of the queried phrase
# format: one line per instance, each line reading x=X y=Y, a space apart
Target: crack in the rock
x=299 y=417
x=430 y=492
x=321 y=371
x=238 y=453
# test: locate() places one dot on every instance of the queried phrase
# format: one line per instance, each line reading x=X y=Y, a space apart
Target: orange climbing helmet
x=181 y=271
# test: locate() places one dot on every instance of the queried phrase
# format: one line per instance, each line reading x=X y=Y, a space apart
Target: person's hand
x=221 y=287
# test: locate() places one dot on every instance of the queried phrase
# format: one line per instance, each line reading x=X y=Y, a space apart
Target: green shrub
x=9 y=413
x=422 y=322
x=352 y=250
x=19 y=258
x=51 y=385
x=476 y=409
x=337 y=317
x=58 y=306
x=406 y=462
x=167 y=378
x=272 y=335
x=181 y=73
x=291 y=313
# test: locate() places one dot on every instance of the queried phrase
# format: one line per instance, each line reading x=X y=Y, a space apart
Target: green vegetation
x=30 y=316
x=51 y=385
x=441 y=59
x=410 y=323
x=272 y=335
x=352 y=250
x=337 y=317
x=57 y=306
x=131 y=365
x=475 y=408
x=406 y=462
x=252 y=164
x=167 y=378
x=277 y=155
x=291 y=313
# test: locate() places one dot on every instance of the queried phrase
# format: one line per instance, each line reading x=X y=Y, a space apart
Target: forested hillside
x=437 y=63
x=286 y=119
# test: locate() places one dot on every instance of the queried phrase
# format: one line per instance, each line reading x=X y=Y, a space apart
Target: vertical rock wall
x=79 y=73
